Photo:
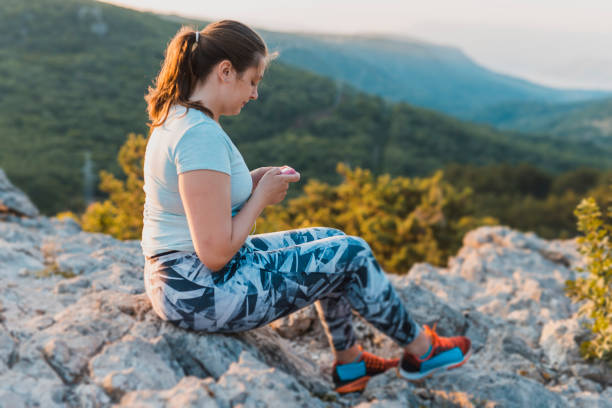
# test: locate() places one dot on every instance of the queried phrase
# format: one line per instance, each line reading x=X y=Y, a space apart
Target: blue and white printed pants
x=275 y=274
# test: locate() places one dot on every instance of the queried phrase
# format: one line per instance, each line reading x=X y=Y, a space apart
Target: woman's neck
x=207 y=95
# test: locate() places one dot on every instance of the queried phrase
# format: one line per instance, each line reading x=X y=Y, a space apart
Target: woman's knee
x=324 y=232
x=358 y=242
x=353 y=241
x=335 y=231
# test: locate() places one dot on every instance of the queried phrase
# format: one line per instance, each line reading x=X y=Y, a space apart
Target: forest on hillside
x=79 y=92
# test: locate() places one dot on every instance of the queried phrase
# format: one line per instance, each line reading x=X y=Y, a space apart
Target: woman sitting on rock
x=205 y=272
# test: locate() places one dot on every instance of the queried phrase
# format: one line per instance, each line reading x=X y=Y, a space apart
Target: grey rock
x=7 y=350
x=202 y=356
x=296 y=324
x=558 y=342
x=276 y=352
x=69 y=357
x=135 y=364
x=94 y=341
x=428 y=309
x=597 y=372
x=190 y=392
x=17 y=234
x=515 y=344
x=39 y=323
x=478 y=327
x=388 y=388
x=16 y=257
x=589 y=386
x=567 y=387
x=10 y=399
x=83 y=329
x=72 y=285
x=274 y=387
x=88 y=396
x=20 y=390
x=13 y=200
x=67 y=224
x=450 y=288
x=591 y=400
x=500 y=388
x=382 y=404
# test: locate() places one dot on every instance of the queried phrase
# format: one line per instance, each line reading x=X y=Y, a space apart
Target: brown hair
x=186 y=62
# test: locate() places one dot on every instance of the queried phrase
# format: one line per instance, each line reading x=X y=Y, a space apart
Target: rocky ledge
x=77 y=330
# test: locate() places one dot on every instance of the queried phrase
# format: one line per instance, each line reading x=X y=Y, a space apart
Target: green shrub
x=404 y=220
x=121 y=215
x=596 y=288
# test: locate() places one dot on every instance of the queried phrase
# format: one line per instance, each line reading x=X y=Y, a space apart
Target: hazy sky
x=563 y=43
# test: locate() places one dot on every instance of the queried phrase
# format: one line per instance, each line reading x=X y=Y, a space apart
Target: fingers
x=273 y=170
x=290 y=174
x=291 y=178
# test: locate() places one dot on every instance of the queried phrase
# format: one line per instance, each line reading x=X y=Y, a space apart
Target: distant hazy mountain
x=437 y=77
x=581 y=121
x=443 y=78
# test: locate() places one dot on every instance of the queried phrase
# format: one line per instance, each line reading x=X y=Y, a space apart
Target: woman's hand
x=272 y=186
x=257 y=174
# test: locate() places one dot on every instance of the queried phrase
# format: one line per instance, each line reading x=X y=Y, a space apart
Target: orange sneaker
x=445 y=353
x=353 y=377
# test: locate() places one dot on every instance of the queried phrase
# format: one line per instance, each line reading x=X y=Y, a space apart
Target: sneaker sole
x=355 y=386
x=421 y=376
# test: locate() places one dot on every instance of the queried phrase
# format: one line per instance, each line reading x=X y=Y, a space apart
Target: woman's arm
x=206 y=196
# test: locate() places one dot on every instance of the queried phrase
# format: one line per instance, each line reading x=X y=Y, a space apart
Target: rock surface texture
x=77 y=330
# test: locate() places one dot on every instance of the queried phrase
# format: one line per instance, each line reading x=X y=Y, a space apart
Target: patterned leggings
x=275 y=274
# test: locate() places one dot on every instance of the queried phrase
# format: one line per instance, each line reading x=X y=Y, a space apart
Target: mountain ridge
x=457 y=67
x=495 y=90
x=529 y=90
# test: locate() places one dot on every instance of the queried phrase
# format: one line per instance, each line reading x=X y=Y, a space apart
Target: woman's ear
x=225 y=71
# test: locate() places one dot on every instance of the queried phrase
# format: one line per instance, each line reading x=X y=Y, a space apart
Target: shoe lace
x=437 y=341
x=373 y=362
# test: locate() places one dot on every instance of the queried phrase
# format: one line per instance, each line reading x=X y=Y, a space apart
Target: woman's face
x=244 y=88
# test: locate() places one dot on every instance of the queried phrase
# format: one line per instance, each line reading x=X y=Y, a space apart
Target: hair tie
x=197 y=36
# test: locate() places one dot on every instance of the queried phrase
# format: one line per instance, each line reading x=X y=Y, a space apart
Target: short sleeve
x=202 y=148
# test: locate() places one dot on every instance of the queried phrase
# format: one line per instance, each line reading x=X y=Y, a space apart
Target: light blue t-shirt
x=185 y=142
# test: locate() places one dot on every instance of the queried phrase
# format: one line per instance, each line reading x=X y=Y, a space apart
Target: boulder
x=13 y=200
